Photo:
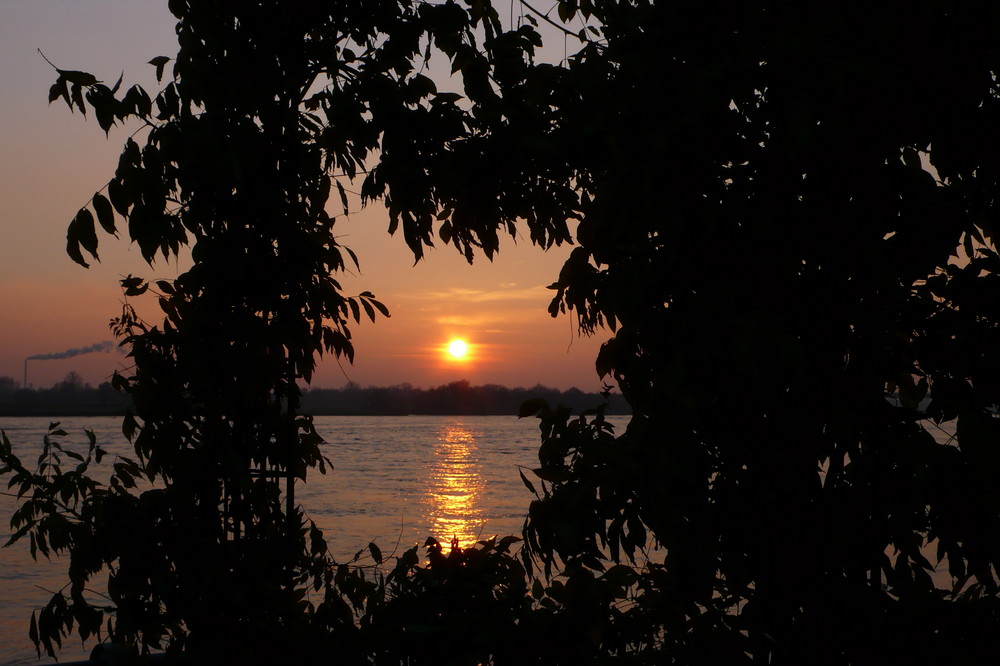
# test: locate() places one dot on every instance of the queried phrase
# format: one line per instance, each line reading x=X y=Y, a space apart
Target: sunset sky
x=52 y=161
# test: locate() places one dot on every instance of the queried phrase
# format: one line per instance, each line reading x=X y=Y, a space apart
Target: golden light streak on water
x=454 y=486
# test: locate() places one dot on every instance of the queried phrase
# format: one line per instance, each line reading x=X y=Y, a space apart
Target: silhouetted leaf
x=78 y=78
x=445 y=232
x=527 y=484
x=552 y=475
x=81 y=233
x=76 y=95
x=129 y=426
x=138 y=100
x=368 y=309
x=134 y=286
x=343 y=196
x=159 y=62
x=33 y=633
x=105 y=213
x=58 y=90
x=566 y=11
x=73 y=250
x=354 y=257
x=533 y=407
x=446 y=98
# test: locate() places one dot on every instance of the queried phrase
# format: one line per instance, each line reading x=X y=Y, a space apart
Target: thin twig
x=48 y=61
x=545 y=17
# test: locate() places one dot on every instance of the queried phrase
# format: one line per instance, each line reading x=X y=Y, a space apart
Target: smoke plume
x=107 y=345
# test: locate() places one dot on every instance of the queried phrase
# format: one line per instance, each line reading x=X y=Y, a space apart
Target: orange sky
x=51 y=162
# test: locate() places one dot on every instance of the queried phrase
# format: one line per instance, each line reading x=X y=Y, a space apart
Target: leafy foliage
x=788 y=221
x=262 y=114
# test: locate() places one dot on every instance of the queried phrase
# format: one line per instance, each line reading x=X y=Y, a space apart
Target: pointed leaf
x=85 y=232
x=445 y=232
x=119 y=197
x=552 y=475
x=368 y=309
x=77 y=94
x=129 y=426
x=81 y=232
x=33 y=632
x=105 y=213
x=532 y=407
x=73 y=250
x=77 y=78
x=354 y=257
x=343 y=196
x=537 y=590
x=58 y=90
x=528 y=484
x=159 y=62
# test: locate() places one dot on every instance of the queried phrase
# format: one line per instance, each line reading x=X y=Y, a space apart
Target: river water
x=396 y=480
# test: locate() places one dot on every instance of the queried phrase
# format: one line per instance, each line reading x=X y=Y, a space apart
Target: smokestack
x=107 y=345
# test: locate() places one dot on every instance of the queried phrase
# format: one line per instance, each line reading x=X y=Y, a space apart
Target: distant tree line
x=72 y=396
x=454 y=398
x=69 y=397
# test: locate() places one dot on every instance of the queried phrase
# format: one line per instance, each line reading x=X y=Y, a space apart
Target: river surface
x=396 y=480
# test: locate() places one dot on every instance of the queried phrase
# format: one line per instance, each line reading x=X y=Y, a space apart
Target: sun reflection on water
x=455 y=485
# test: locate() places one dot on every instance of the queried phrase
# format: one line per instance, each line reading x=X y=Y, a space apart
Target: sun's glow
x=458 y=348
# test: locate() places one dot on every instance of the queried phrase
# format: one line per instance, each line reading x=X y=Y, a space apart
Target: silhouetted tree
x=71 y=383
x=7 y=385
x=788 y=218
x=264 y=112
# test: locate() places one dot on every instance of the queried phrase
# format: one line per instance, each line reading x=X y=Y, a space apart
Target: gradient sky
x=52 y=161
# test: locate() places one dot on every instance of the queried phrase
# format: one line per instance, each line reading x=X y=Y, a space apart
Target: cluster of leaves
x=262 y=115
x=789 y=222
x=57 y=514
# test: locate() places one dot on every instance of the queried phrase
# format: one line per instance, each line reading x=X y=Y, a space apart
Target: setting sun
x=458 y=348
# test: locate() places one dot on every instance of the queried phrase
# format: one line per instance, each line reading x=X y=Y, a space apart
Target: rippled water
x=396 y=481
x=401 y=479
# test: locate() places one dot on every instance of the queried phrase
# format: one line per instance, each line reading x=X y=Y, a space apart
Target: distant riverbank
x=456 y=398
